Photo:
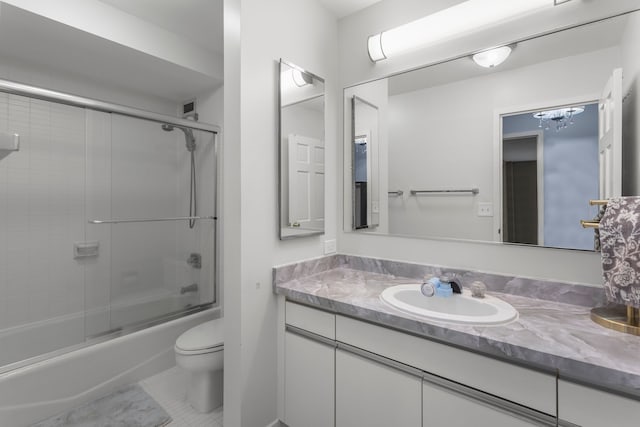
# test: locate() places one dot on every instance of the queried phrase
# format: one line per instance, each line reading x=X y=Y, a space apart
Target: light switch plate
x=485 y=209
x=330 y=247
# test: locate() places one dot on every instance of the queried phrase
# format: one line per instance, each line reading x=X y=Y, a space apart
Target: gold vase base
x=620 y=318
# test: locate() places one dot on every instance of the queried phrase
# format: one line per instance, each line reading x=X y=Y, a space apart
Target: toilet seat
x=205 y=338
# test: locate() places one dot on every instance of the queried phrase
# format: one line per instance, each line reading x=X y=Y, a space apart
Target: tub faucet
x=191 y=288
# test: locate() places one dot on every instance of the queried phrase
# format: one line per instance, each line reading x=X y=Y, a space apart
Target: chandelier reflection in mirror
x=559 y=119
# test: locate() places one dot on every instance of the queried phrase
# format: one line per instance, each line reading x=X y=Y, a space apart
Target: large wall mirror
x=302 y=158
x=514 y=152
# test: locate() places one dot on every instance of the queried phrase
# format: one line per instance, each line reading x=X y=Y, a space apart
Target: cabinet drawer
x=445 y=407
x=317 y=321
x=587 y=407
x=521 y=385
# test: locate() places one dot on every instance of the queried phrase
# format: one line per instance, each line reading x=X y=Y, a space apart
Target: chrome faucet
x=455 y=283
x=191 y=288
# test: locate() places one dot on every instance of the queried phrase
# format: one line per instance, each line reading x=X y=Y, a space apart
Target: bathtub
x=45 y=388
x=25 y=341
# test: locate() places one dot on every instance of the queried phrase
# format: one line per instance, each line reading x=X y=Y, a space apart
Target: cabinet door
x=582 y=406
x=371 y=394
x=444 y=407
x=309 y=382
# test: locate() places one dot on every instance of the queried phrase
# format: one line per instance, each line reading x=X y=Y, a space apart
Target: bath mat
x=130 y=406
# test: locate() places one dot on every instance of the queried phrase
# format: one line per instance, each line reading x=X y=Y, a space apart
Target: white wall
x=303 y=32
x=443 y=138
x=355 y=67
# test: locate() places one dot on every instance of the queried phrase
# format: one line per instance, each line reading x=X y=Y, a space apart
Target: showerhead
x=188 y=135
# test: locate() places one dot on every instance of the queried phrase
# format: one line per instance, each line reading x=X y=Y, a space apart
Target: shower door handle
x=86 y=249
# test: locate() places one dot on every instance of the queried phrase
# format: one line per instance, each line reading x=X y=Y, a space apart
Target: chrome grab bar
x=119 y=221
x=396 y=193
x=474 y=191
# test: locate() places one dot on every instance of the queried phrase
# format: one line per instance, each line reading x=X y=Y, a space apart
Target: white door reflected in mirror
x=306 y=182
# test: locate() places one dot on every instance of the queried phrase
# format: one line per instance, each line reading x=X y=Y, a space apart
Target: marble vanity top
x=550 y=334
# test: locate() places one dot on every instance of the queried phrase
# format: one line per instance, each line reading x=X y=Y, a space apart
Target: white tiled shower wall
x=128 y=168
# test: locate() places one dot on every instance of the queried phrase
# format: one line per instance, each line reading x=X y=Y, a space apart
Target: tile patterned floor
x=169 y=389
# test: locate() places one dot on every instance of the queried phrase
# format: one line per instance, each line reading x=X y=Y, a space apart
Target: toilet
x=200 y=351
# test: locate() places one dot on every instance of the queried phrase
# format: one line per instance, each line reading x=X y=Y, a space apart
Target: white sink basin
x=459 y=308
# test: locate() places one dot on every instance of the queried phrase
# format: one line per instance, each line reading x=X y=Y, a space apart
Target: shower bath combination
x=190 y=142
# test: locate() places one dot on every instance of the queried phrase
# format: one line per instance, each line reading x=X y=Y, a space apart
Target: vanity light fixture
x=492 y=57
x=561 y=117
x=465 y=17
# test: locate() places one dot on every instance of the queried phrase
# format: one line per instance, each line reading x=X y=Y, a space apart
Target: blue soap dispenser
x=444 y=289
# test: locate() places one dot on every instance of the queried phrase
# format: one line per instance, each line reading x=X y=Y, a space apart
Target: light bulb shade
x=493 y=57
x=374 y=47
x=464 y=18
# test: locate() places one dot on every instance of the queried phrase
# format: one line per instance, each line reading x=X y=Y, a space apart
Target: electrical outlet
x=485 y=209
x=330 y=247
x=375 y=206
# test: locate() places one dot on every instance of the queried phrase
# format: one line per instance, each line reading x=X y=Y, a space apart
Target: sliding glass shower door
x=95 y=235
x=157 y=260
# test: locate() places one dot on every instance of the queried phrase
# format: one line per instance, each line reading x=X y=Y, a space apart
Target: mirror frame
x=281 y=190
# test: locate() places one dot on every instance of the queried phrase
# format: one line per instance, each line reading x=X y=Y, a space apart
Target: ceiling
x=45 y=44
x=199 y=21
x=342 y=8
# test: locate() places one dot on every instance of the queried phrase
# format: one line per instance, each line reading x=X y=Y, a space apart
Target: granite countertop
x=551 y=336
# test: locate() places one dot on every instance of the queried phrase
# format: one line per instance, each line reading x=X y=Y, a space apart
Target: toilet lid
x=206 y=335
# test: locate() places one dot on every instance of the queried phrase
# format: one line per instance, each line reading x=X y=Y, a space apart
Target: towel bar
x=589 y=224
x=120 y=221
x=473 y=191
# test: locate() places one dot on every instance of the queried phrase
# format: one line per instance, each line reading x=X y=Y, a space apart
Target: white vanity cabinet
x=585 y=407
x=343 y=372
x=309 y=372
x=374 y=394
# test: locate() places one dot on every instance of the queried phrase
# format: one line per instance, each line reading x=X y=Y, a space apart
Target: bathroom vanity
x=349 y=359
